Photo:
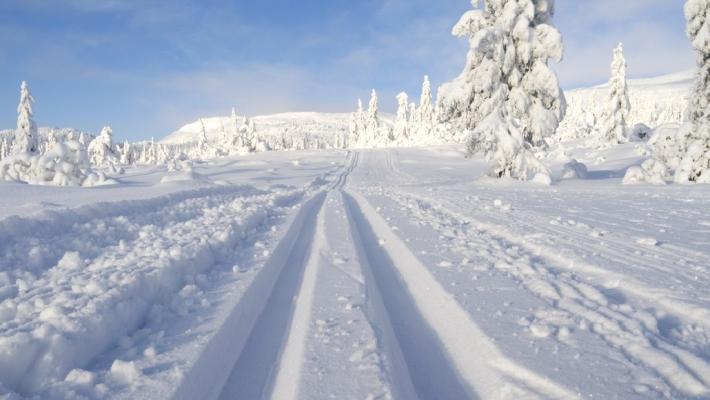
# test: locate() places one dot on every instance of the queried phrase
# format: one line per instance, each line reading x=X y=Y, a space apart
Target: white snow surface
x=386 y=273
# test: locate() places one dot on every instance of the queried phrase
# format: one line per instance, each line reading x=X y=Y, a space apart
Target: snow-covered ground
x=364 y=274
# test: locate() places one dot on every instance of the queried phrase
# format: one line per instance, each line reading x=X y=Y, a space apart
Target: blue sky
x=146 y=67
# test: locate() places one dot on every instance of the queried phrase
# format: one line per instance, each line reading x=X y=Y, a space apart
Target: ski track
x=278 y=335
x=554 y=276
x=445 y=352
x=428 y=345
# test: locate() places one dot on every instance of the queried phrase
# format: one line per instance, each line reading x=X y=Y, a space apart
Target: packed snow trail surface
x=373 y=274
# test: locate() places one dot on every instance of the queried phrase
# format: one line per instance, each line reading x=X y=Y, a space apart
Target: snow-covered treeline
x=653 y=102
x=413 y=125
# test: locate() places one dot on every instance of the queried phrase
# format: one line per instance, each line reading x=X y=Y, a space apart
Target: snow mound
x=574 y=170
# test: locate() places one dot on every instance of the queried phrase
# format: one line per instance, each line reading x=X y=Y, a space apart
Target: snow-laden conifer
x=373 y=118
x=401 y=124
x=126 y=157
x=101 y=150
x=423 y=117
x=507 y=96
x=25 y=140
x=614 y=121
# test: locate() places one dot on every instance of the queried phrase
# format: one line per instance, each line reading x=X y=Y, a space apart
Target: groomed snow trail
x=417 y=342
x=603 y=299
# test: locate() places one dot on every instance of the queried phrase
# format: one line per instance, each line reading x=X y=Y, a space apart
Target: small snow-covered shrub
x=640 y=133
x=667 y=145
x=574 y=170
x=651 y=171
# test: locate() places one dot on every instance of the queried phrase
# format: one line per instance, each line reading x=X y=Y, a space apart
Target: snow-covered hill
x=654 y=101
x=290 y=124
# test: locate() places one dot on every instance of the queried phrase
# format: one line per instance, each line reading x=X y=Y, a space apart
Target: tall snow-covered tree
x=51 y=141
x=507 y=96
x=695 y=164
x=376 y=135
x=373 y=118
x=26 y=136
x=425 y=111
x=357 y=126
x=126 y=157
x=3 y=148
x=615 y=118
x=101 y=150
x=201 y=150
x=401 y=124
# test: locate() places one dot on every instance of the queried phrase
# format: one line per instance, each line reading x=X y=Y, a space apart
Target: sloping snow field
x=355 y=275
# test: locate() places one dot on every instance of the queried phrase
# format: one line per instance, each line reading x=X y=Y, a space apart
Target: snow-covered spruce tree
x=126 y=155
x=238 y=141
x=401 y=124
x=358 y=124
x=372 y=124
x=3 y=148
x=695 y=164
x=101 y=150
x=26 y=133
x=202 y=144
x=376 y=133
x=51 y=140
x=507 y=95
x=152 y=152
x=614 y=121
x=424 y=116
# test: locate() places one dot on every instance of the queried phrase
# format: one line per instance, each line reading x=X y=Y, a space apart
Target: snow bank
x=86 y=278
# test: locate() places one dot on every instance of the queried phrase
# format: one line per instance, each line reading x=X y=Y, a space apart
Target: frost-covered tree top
x=401 y=128
x=426 y=109
x=615 y=118
x=26 y=133
x=511 y=42
x=373 y=108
